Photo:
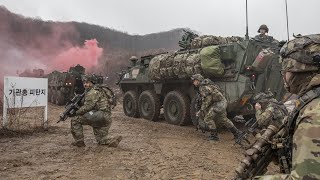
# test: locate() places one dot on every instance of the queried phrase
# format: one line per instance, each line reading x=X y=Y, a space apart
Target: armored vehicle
x=241 y=67
x=64 y=85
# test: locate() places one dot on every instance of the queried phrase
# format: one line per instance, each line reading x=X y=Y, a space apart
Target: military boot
x=236 y=132
x=78 y=144
x=213 y=135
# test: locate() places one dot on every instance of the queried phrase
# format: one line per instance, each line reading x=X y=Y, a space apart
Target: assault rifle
x=71 y=107
x=251 y=127
x=261 y=153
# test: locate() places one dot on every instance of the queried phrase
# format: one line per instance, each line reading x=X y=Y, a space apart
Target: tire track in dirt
x=153 y=161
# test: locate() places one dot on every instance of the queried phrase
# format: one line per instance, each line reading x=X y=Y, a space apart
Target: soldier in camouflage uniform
x=269 y=110
x=213 y=108
x=96 y=112
x=301 y=67
x=263 y=29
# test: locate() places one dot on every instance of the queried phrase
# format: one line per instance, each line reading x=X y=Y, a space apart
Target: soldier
x=263 y=29
x=213 y=108
x=95 y=112
x=300 y=69
x=269 y=110
x=133 y=61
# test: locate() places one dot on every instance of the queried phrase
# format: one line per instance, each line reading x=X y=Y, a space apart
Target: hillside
x=27 y=43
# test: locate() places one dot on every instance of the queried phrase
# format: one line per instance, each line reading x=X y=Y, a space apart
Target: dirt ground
x=149 y=150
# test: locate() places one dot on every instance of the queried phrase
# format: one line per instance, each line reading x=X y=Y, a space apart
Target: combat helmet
x=263 y=97
x=133 y=60
x=301 y=54
x=90 y=77
x=198 y=77
x=263 y=26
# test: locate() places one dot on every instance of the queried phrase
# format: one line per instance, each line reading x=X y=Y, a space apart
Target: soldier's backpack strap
x=291 y=126
x=300 y=104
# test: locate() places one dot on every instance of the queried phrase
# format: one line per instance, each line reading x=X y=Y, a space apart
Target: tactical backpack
x=109 y=94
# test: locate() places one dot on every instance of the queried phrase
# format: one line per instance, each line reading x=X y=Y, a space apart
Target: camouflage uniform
x=273 y=114
x=263 y=37
x=213 y=100
x=213 y=109
x=96 y=103
x=301 y=57
x=273 y=111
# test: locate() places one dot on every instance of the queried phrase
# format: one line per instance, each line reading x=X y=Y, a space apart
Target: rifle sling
x=302 y=102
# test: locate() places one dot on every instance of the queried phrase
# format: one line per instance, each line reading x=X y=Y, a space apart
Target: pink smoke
x=86 y=56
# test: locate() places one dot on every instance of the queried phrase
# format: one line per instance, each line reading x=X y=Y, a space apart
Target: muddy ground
x=149 y=150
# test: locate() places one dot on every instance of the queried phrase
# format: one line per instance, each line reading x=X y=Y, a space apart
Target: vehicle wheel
x=130 y=104
x=149 y=105
x=193 y=112
x=53 y=96
x=60 y=98
x=176 y=108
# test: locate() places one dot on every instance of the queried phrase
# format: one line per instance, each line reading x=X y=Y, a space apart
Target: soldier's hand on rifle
x=257 y=106
x=72 y=115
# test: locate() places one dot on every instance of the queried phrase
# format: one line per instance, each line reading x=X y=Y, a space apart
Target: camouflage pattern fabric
x=302 y=49
x=264 y=38
x=100 y=133
x=95 y=99
x=214 y=107
x=184 y=64
x=306 y=142
x=272 y=114
x=214 y=120
x=209 y=40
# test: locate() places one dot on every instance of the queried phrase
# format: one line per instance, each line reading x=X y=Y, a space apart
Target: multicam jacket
x=95 y=99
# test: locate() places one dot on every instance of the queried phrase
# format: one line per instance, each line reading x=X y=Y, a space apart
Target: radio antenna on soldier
x=287 y=19
x=247 y=31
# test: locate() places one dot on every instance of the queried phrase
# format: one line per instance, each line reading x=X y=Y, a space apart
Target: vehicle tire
x=193 y=112
x=149 y=105
x=60 y=100
x=130 y=104
x=176 y=108
x=53 y=96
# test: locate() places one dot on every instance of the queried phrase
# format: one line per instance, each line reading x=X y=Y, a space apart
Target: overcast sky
x=215 y=17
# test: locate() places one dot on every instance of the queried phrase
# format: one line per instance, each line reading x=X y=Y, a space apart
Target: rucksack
x=109 y=94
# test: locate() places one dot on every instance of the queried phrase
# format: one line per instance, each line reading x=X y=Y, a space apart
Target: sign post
x=23 y=92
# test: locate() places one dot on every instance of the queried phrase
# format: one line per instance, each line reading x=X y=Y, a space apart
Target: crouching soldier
x=95 y=112
x=269 y=110
x=213 y=108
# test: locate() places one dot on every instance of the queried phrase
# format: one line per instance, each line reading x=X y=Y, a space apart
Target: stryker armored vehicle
x=62 y=86
x=241 y=67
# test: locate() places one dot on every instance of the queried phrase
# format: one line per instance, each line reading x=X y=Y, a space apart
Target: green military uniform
x=264 y=37
x=301 y=57
x=213 y=109
x=273 y=114
x=214 y=106
x=95 y=112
